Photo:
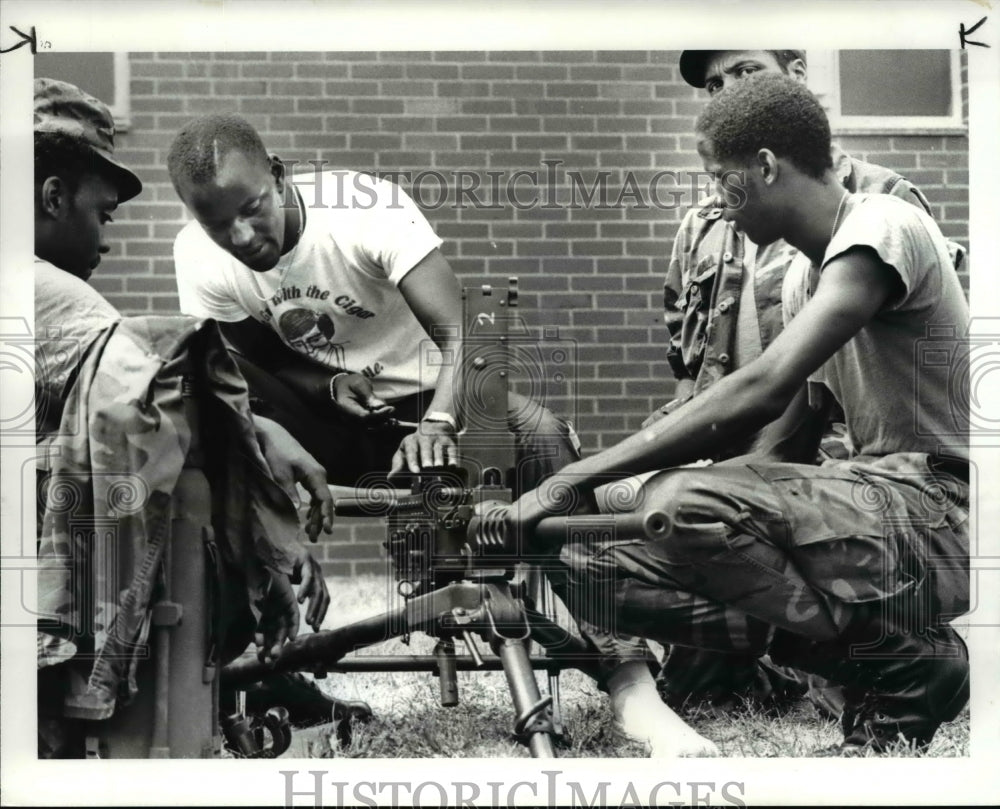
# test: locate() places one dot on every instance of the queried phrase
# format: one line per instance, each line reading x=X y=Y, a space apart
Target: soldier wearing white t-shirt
x=329 y=287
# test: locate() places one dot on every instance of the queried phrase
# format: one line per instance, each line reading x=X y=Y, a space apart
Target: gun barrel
x=651 y=524
x=371 y=502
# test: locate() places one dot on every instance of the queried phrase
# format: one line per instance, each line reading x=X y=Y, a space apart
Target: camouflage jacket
x=124 y=437
x=701 y=293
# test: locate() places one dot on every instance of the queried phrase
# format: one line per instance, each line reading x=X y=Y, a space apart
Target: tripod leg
x=540 y=593
x=534 y=714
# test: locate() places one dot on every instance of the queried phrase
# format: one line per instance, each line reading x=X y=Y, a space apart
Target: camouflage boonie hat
x=64 y=108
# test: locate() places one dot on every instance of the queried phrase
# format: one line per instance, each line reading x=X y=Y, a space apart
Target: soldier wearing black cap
x=722 y=308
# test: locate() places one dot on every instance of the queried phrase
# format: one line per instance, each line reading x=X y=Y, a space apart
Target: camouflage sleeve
x=906 y=190
x=673 y=317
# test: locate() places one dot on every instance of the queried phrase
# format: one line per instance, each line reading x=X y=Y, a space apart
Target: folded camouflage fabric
x=123 y=440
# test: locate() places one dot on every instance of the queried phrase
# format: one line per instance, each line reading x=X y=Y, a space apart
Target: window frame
x=121 y=108
x=121 y=75
x=824 y=81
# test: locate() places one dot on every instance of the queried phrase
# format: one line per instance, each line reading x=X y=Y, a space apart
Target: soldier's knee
x=685 y=495
x=696 y=514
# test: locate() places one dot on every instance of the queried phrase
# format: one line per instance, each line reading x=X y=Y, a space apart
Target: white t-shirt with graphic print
x=335 y=297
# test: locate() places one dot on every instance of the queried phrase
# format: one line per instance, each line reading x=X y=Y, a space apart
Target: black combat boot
x=900 y=684
x=923 y=684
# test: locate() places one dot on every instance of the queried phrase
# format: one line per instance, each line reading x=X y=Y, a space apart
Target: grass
x=409 y=721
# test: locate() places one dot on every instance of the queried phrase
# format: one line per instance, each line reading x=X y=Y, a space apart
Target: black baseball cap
x=65 y=108
x=693 y=64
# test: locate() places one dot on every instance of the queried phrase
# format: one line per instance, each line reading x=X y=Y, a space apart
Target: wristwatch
x=441 y=416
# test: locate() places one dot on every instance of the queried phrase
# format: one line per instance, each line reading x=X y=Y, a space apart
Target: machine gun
x=458 y=567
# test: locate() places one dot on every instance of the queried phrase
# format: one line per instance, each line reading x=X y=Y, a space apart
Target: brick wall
x=594 y=271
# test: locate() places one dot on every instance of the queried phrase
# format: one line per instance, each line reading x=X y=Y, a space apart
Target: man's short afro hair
x=202 y=144
x=768 y=111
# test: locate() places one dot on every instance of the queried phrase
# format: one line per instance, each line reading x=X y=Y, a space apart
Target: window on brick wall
x=104 y=75
x=889 y=91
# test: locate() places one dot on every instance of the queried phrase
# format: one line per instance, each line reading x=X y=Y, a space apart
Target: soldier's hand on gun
x=279 y=618
x=432 y=444
x=354 y=396
x=290 y=464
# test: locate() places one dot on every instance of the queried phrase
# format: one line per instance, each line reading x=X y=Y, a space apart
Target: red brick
x=501 y=123
x=105 y=283
x=540 y=142
x=597 y=247
x=492 y=106
x=435 y=142
x=643 y=107
x=378 y=105
x=147 y=248
x=130 y=304
x=518 y=89
x=406 y=88
x=157 y=69
x=151 y=284
x=459 y=56
x=298 y=123
x=568 y=56
x=377 y=71
x=335 y=56
x=945 y=161
x=255 y=87
x=321 y=70
x=624 y=230
x=541 y=72
x=486 y=141
x=158 y=104
x=599 y=108
x=348 y=88
x=376 y=141
x=930 y=177
x=464 y=123
x=406 y=124
x=223 y=70
x=597 y=283
x=268 y=70
x=645 y=73
x=541 y=106
x=432 y=71
x=623 y=124
x=573 y=124
x=560 y=89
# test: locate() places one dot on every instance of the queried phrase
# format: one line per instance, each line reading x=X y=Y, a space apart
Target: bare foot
x=641 y=715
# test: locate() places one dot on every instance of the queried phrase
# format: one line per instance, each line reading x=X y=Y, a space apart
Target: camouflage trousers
x=751 y=546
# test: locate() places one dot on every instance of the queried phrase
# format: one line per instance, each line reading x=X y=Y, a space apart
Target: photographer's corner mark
x=31 y=40
x=964 y=32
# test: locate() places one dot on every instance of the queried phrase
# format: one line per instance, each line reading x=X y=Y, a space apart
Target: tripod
x=454 y=558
